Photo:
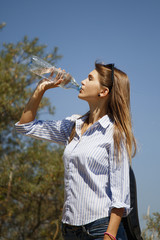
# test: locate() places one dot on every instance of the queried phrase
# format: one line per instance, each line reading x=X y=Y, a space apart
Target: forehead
x=94 y=73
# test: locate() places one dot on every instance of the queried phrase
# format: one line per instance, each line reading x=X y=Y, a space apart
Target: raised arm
x=30 y=110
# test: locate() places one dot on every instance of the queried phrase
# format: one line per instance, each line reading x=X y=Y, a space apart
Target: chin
x=81 y=96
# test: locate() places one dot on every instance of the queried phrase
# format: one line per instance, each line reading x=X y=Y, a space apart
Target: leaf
x=31 y=183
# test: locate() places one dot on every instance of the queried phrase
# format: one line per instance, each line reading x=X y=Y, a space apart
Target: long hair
x=119 y=107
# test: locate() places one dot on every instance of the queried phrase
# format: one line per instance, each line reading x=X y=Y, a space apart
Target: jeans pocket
x=97 y=228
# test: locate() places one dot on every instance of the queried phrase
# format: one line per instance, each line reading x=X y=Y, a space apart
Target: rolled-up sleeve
x=54 y=131
x=120 y=181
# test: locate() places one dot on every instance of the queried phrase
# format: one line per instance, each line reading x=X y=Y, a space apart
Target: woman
x=97 y=154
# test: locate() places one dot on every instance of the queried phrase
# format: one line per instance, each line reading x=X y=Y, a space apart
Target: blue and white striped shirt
x=94 y=183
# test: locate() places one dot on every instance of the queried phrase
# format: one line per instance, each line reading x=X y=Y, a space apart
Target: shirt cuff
x=24 y=127
x=127 y=208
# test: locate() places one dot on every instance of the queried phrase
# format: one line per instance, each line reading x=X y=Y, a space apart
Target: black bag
x=131 y=222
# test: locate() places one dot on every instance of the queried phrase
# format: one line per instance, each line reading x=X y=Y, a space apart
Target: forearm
x=115 y=219
x=30 y=110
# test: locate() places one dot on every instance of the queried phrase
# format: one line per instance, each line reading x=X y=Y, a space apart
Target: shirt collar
x=105 y=121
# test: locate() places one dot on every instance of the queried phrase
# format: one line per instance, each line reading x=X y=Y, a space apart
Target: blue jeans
x=94 y=230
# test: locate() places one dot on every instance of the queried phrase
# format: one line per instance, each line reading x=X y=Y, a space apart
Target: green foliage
x=31 y=192
x=152 y=230
x=2 y=25
x=16 y=83
x=31 y=183
x=15 y=80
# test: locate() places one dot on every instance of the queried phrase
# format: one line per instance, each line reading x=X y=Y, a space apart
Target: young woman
x=97 y=154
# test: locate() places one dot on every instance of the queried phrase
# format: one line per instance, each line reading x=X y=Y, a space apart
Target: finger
x=51 y=75
x=58 y=76
x=57 y=83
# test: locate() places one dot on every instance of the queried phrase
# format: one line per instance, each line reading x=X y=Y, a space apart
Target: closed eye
x=90 y=77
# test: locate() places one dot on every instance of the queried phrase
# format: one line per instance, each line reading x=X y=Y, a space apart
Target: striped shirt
x=94 y=182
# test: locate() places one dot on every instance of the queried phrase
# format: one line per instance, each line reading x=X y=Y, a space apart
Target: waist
x=68 y=227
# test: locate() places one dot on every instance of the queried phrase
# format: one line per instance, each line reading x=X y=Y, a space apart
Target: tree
x=31 y=183
x=152 y=230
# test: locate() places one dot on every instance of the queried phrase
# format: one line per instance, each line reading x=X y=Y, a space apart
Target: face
x=91 y=87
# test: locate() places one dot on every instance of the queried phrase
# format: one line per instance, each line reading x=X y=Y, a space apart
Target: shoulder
x=73 y=118
x=69 y=122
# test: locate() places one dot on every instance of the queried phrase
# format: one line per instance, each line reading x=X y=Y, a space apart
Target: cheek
x=92 y=92
x=95 y=88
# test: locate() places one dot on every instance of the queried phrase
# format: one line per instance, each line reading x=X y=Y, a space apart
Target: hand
x=47 y=83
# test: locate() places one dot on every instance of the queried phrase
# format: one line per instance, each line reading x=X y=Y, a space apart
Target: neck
x=96 y=113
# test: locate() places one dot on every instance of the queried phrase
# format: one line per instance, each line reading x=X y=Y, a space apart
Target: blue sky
x=120 y=31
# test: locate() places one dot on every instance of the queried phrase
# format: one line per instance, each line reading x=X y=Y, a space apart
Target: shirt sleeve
x=119 y=181
x=54 y=131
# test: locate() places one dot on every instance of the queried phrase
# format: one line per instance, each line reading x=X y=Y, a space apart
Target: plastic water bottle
x=44 y=69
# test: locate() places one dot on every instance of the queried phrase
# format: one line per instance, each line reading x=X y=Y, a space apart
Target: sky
x=123 y=32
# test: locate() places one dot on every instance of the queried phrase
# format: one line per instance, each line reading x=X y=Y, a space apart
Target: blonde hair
x=119 y=107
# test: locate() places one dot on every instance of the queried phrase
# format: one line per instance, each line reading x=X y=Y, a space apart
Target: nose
x=83 y=82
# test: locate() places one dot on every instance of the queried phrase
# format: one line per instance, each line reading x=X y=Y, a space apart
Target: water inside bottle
x=44 y=70
x=70 y=83
x=40 y=70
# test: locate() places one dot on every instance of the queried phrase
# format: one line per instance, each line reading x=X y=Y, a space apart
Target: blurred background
x=126 y=33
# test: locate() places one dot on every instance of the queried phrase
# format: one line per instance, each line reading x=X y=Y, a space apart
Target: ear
x=104 y=92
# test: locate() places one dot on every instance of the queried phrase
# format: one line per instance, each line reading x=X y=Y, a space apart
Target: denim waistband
x=92 y=230
x=87 y=226
x=71 y=227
